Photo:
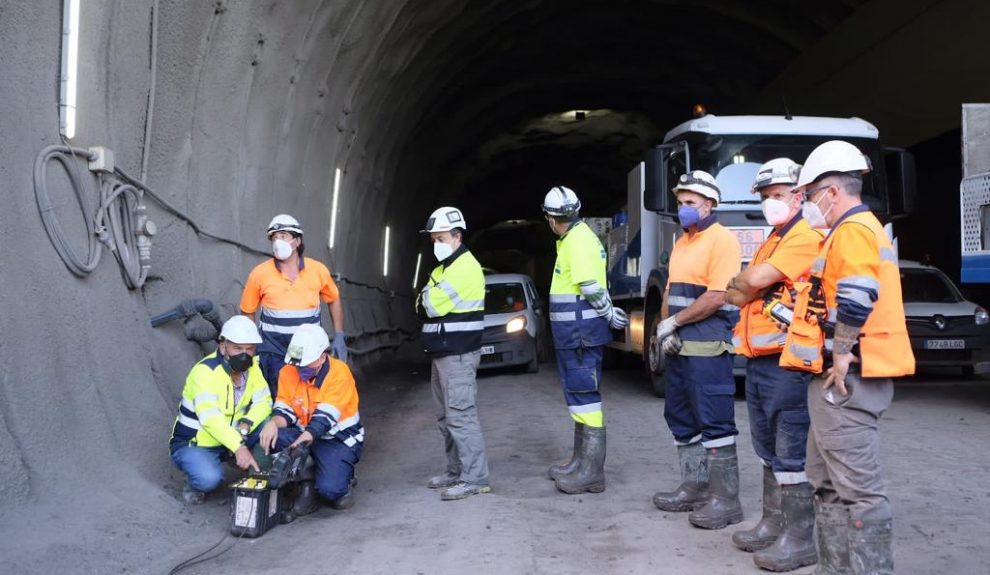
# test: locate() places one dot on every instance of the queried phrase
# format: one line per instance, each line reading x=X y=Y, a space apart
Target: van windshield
x=504 y=298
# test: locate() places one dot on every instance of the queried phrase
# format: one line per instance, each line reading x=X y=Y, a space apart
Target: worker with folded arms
x=224 y=403
x=696 y=335
x=777 y=398
x=287 y=290
x=864 y=335
x=317 y=404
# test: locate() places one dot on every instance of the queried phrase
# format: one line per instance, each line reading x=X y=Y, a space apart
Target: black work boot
x=722 y=507
x=590 y=474
x=871 y=550
x=831 y=541
x=766 y=531
x=796 y=545
x=305 y=502
x=572 y=465
x=693 y=490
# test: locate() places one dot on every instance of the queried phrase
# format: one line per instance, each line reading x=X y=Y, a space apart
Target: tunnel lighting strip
x=419 y=260
x=333 y=207
x=70 y=64
x=385 y=263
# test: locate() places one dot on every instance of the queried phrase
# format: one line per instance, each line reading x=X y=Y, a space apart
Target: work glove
x=618 y=319
x=672 y=344
x=667 y=327
x=339 y=346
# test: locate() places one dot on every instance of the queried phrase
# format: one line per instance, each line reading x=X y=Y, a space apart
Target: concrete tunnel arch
x=257 y=103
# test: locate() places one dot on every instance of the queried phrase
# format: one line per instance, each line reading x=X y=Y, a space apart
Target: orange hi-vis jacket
x=855 y=254
x=327 y=407
x=791 y=251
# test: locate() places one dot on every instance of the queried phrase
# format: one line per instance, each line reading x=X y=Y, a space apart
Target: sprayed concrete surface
x=933 y=437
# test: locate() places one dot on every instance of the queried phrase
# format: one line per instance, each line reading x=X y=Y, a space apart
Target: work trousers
x=271 y=364
x=580 y=371
x=454 y=389
x=333 y=462
x=699 y=405
x=844 y=444
x=777 y=401
x=203 y=466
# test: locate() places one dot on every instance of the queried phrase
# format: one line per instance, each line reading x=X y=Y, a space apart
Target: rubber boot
x=796 y=545
x=722 y=507
x=766 y=531
x=305 y=502
x=572 y=465
x=590 y=474
x=871 y=550
x=831 y=541
x=693 y=490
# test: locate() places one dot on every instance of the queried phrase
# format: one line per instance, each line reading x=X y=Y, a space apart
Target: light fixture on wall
x=333 y=206
x=385 y=262
x=419 y=260
x=70 y=66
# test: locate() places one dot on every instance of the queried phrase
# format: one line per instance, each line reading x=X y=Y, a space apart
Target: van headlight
x=982 y=318
x=516 y=324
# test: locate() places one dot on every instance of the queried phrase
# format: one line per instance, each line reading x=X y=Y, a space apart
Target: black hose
x=188 y=309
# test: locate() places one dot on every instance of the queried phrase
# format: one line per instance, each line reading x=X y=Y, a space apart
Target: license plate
x=945 y=344
x=750 y=240
x=487 y=349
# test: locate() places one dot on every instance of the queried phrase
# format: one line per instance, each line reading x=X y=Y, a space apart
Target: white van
x=514 y=323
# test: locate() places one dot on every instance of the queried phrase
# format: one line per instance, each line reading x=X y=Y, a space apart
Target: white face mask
x=281 y=249
x=442 y=251
x=814 y=215
x=775 y=211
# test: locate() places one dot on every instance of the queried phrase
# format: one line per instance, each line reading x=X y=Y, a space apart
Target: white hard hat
x=240 y=329
x=777 y=171
x=561 y=201
x=284 y=223
x=833 y=156
x=444 y=219
x=699 y=182
x=307 y=344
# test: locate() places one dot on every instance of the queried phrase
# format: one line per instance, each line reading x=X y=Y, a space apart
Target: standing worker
x=777 y=398
x=452 y=306
x=225 y=401
x=696 y=334
x=856 y=280
x=581 y=313
x=289 y=288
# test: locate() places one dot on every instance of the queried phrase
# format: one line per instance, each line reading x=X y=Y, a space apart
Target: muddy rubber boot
x=693 y=490
x=722 y=507
x=305 y=501
x=831 y=540
x=766 y=531
x=590 y=474
x=871 y=550
x=572 y=465
x=796 y=545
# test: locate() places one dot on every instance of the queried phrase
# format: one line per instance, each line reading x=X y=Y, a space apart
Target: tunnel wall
x=255 y=105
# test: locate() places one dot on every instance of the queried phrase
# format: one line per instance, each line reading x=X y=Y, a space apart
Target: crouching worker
x=224 y=403
x=317 y=404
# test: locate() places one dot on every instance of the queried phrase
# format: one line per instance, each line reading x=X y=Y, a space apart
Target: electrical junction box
x=101 y=159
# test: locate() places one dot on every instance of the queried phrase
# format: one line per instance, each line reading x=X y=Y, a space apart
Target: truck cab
x=731 y=148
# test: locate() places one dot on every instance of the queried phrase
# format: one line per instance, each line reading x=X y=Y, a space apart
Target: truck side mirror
x=902 y=184
x=656 y=193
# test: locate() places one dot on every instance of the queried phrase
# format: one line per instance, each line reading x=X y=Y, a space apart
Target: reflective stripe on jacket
x=573 y=321
x=207 y=414
x=327 y=408
x=453 y=306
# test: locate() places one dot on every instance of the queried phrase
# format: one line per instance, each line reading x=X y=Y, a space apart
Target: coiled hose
x=64 y=155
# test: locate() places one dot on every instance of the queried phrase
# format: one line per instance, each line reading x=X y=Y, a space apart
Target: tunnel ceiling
x=477 y=94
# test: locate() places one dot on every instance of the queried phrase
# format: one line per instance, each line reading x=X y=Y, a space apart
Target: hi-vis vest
x=757 y=335
x=327 y=409
x=574 y=323
x=207 y=414
x=453 y=302
x=884 y=346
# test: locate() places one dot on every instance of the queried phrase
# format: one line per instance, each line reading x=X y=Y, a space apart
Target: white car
x=515 y=328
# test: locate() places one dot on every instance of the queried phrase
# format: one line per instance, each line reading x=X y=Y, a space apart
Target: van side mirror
x=902 y=183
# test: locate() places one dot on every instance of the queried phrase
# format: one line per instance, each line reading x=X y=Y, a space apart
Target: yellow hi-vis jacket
x=452 y=305
x=207 y=414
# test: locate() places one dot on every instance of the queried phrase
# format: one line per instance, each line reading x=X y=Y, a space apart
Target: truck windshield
x=735 y=159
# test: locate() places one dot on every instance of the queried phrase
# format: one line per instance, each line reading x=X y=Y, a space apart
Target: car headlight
x=516 y=324
x=981 y=316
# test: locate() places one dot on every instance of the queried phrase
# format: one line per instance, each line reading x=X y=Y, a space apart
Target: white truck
x=731 y=148
x=974 y=194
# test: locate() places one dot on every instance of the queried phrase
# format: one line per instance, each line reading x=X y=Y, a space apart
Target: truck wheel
x=654 y=359
x=534 y=364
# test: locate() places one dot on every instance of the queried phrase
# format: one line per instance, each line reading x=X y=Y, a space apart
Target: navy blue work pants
x=699 y=402
x=333 y=460
x=777 y=400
